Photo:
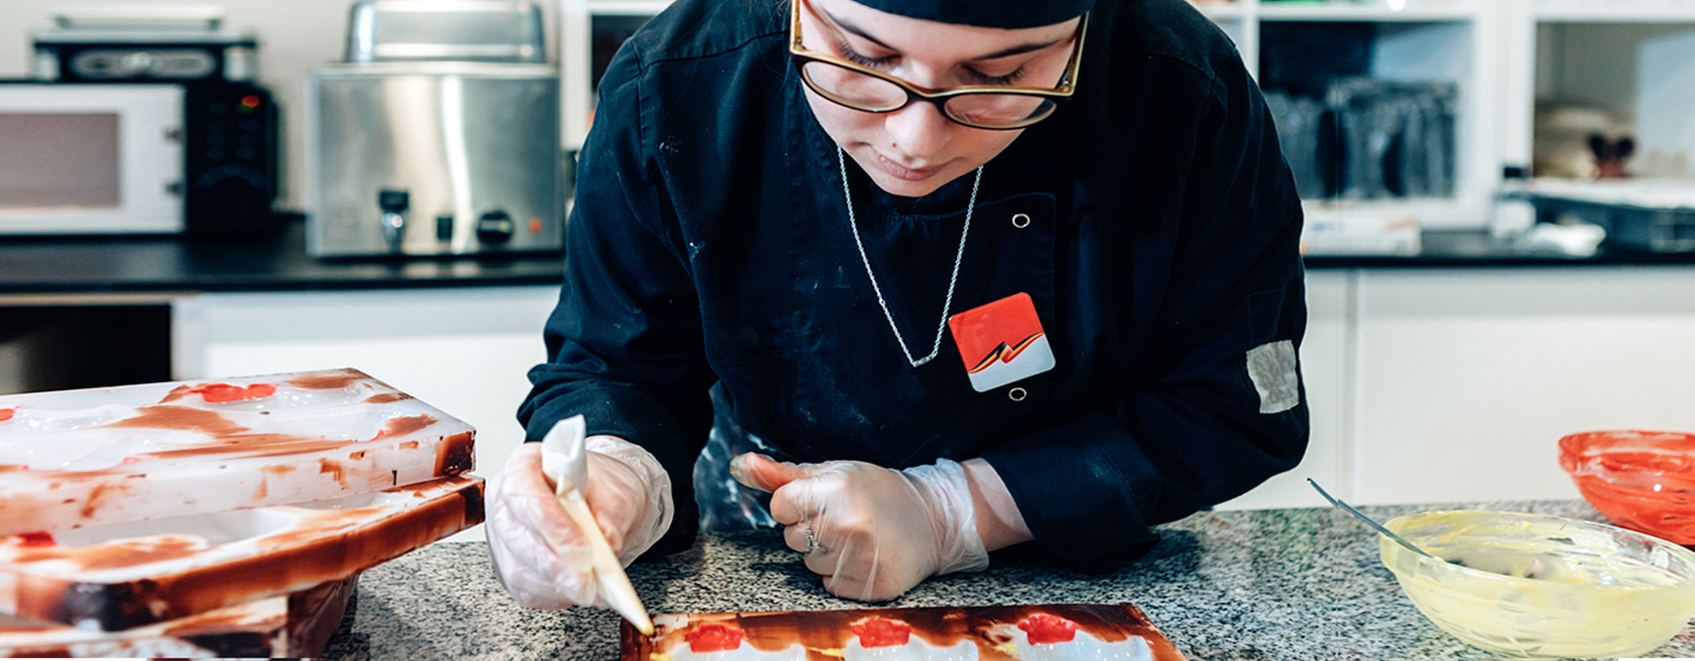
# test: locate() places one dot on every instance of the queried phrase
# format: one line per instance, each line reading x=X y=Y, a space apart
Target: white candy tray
x=78 y=458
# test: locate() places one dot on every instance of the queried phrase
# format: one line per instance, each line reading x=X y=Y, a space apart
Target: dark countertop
x=1475 y=248
x=1253 y=585
x=278 y=261
x=271 y=262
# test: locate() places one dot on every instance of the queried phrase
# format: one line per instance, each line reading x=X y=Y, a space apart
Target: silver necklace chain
x=947 y=304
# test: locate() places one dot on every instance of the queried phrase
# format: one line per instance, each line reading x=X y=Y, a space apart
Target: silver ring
x=811 y=541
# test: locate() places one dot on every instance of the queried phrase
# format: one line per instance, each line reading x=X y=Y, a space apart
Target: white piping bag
x=565 y=463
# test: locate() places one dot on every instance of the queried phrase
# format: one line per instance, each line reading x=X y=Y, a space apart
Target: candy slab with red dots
x=1054 y=632
x=130 y=453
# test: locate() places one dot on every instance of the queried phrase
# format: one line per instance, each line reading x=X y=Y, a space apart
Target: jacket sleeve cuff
x=1084 y=489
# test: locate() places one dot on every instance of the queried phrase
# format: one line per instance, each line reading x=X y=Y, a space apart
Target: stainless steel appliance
x=135 y=158
x=439 y=134
x=143 y=43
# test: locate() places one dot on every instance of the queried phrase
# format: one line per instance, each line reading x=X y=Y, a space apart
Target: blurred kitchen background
x=1500 y=236
x=294 y=37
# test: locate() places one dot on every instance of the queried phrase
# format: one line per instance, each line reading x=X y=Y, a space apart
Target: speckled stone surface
x=1265 y=584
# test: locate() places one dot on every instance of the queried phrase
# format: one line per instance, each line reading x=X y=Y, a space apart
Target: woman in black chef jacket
x=969 y=273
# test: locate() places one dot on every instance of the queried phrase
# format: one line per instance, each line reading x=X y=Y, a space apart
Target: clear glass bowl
x=1642 y=480
x=1541 y=586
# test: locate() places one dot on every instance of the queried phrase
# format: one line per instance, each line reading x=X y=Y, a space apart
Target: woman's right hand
x=539 y=554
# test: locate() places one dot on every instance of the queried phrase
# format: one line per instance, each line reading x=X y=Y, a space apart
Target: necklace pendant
x=1002 y=342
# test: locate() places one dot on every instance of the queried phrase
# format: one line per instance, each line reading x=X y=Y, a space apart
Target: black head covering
x=1009 y=14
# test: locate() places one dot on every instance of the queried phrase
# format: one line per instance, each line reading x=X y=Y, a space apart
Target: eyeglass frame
x=800 y=55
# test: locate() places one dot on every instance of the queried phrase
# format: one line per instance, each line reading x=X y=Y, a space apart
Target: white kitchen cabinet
x=1467 y=379
x=1453 y=384
x=464 y=350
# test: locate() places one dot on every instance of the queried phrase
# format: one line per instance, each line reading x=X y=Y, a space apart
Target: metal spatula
x=1370 y=521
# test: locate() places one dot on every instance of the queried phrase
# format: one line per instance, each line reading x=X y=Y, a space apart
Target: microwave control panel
x=230 y=157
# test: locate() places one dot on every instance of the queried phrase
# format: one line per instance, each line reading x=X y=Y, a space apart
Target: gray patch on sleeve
x=1272 y=367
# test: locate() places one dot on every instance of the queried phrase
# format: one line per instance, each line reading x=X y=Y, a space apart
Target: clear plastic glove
x=871 y=532
x=539 y=554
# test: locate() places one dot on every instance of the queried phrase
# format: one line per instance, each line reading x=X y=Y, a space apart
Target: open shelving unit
x=1633 y=67
x=1299 y=49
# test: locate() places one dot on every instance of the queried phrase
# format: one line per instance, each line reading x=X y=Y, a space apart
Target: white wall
x=294 y=36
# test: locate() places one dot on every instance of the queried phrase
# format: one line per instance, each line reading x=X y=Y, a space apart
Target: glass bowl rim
x=1387 y=545
x=1581 y=443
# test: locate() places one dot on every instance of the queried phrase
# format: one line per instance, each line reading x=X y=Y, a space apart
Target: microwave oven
x=149 y=158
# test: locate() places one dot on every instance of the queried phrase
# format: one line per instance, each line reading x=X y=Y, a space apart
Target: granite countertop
x=1260 y=584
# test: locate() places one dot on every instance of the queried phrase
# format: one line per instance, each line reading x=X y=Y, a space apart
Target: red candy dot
x=33 y=539
x=882 y=633
x=713 y=637
x=1045 y=629
x=6 y=414
x=217 y=393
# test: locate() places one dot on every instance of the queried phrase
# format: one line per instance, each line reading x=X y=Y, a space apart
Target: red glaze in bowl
x=1642 y=480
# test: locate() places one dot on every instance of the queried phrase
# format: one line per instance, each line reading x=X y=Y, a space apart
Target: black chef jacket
x=1151 y=219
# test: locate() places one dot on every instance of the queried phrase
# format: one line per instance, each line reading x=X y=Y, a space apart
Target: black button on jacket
x=710 y=243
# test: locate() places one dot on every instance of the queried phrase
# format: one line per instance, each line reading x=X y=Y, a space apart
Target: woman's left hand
x=871 y=532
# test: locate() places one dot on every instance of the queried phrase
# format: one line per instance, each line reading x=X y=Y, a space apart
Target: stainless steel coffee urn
x=439 y=134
